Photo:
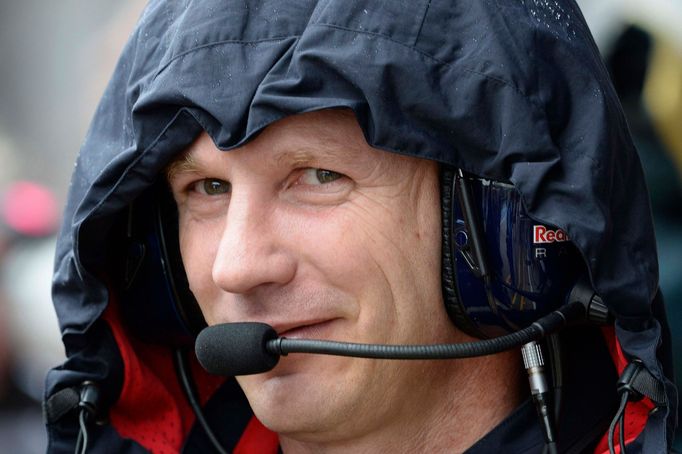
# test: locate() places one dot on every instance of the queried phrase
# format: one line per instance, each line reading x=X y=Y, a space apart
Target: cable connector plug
x=89 y=405
x=90 y=399
x=595 y=309
x=535 y=366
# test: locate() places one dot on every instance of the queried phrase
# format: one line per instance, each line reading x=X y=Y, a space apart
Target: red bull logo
x=542 y=234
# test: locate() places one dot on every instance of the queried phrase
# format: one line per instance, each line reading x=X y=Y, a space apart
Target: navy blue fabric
x=508 y=89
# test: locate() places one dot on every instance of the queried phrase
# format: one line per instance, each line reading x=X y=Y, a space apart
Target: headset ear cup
x=451 y=297
x=501 y=269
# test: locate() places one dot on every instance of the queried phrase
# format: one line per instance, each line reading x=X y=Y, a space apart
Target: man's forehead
x=321 y=133
x=332 y=135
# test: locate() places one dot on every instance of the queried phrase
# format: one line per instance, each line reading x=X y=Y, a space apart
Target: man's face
x=309 y=229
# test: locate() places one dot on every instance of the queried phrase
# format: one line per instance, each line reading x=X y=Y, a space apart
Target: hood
x=508 y=90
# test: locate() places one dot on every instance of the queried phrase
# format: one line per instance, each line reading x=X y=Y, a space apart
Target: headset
x=501 y=270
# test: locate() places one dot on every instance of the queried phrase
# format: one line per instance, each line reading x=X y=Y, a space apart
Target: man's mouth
x=307 y=330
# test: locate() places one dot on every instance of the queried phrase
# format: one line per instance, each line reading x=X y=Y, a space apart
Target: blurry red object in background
x=29 y=209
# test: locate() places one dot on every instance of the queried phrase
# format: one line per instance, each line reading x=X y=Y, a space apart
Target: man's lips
x=305 y=330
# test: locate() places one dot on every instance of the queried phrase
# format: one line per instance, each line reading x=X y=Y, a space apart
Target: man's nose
x=252 y=251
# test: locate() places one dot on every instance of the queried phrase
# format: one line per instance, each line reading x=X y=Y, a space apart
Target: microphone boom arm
x=542 y=327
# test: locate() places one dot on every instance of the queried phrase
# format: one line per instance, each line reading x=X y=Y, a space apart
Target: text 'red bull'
x=542 y=234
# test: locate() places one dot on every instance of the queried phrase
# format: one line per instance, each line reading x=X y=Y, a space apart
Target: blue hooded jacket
x=511 y=90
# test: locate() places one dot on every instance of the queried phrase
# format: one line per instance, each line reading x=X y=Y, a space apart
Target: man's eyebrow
x=329 y=152
x=182 y=164
x=296 y=157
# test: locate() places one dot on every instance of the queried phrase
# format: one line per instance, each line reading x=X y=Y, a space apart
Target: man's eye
x=320 y=176
x=212 y=186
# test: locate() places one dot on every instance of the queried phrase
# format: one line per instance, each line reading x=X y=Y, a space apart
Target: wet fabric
x=512 y=90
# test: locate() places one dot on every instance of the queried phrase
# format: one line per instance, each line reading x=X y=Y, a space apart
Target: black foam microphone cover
x=236 y=349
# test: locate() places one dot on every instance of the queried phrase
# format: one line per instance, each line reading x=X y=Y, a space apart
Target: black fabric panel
x=227 y=413
x=518 y=433
x=590 y=398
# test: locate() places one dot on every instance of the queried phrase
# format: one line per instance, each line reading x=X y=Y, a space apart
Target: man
x=329 y=238
x=327 y=219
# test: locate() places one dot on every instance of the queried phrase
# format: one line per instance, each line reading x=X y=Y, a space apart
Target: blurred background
x=56 y=60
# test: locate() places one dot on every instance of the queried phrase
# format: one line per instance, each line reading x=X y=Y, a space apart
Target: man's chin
x=291 y=399
x=284 y=402
x=278 y=386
